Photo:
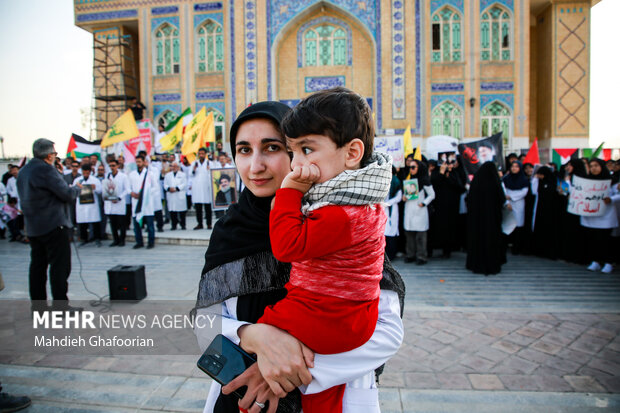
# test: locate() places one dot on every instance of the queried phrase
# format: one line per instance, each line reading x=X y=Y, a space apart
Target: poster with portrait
x=109 y=190
x=446 y=157
x=223 y=184
x=475 y=153
x=411 y=189
x=87 y=194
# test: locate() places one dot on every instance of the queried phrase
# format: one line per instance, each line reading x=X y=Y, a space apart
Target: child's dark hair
x=12 y=201
x=339 y=113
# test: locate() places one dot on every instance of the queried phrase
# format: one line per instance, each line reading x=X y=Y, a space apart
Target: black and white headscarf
x=368 y=185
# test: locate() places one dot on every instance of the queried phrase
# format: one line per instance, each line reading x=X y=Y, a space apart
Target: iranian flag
x=561 y=156
x=186 y=118
x=80 y=147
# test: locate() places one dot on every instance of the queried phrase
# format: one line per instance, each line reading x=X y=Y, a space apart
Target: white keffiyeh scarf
x=368 y=185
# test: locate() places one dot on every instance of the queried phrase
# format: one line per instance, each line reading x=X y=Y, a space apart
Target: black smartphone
x=223 y=360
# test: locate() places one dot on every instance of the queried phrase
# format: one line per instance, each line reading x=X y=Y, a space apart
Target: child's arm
x=295 y=237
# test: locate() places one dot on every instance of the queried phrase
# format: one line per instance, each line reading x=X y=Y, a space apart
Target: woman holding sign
x=598 y=228
x=418 y=194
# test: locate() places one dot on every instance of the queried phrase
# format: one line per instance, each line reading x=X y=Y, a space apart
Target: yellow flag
x=171 y=140
x=195 y=124
x=407 y=141
x=191 y=137
x=418 y=154
x=207 y=133
x=123 y=129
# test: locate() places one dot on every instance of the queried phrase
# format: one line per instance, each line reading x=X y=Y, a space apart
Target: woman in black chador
x=570 y=229
x=485 y=249
x=448 y=189
x=547 y=211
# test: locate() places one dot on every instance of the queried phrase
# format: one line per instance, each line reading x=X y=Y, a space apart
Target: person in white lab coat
x=144 y=186
x=415 y=216
x=186 y=168
x=201 y=188
x=241 y=276
x=391 y=211
x=87 y=212
x=117 y=183
x=175 y=183
x=516 y=186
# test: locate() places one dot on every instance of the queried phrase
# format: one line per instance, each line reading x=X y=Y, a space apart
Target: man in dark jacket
x=45 y=200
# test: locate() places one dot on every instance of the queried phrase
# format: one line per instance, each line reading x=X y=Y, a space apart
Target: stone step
x=77 y=391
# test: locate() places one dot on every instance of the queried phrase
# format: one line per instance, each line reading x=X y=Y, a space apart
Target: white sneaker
x=595 y=266
x=607 y=268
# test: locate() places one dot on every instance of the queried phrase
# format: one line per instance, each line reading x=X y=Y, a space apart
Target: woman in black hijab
x=485 y=250
x=545 y=226
x=241 y=277
x=571 y=249
x=448 y=189
x=517 y=186
x=598 y=229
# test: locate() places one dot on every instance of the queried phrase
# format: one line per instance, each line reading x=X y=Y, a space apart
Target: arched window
x=210 y=43
x=167 y=50
x=447 y=119
x=325 y=45
x=496 y=34
x=496 y=117
x=446 y=36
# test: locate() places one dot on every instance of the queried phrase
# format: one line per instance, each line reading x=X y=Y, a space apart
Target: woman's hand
x=282 y=359
x=258 y=390
x=607 y=200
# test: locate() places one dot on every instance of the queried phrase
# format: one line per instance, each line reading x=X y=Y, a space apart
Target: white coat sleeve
x=519 y=194
x=333 y=369
x=397 y=198
x=183 y=183
x=97 y=186
x=223 y=318
x=430 y=192
x=126 y=187
x=167 y=182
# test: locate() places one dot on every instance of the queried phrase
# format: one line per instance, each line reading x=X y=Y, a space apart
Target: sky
x=46 y=74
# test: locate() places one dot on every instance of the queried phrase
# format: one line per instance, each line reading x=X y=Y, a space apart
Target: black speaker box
x=127 y=282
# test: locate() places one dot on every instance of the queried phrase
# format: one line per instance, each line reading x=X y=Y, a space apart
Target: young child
x=11 y=211
x=328 y=221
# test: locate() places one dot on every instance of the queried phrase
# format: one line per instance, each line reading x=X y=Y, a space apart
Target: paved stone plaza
x=542 y=336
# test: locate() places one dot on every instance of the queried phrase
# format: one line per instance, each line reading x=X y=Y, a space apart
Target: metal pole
x=2 y=145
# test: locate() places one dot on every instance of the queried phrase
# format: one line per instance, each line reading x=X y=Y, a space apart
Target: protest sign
x=586 y=197
x=224 y=186
x=474 y=154
x=393 y=146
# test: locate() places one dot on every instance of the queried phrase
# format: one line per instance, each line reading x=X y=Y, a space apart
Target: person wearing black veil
x=485 y=249
x=545 y=223
x=460 y=239
x=241 y=277
x=448 y=189
x=571 y=247
x=517 y=185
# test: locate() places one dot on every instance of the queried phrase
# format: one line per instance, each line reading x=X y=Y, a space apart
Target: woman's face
x=261 y=157
x=514 y=168
x=595 y=168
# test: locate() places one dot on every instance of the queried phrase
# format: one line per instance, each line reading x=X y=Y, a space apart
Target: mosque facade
x=463 y=68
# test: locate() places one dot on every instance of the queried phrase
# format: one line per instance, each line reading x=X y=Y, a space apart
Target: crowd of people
x=110 y=194
x=454 y=211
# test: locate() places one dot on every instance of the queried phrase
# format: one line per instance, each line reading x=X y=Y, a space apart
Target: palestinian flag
x=80 y=147
x=186 y=116
x=604 y=154
x=561 y=156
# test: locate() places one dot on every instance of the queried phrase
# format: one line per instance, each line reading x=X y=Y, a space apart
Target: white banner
x=586 y=197
x=392 y=145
